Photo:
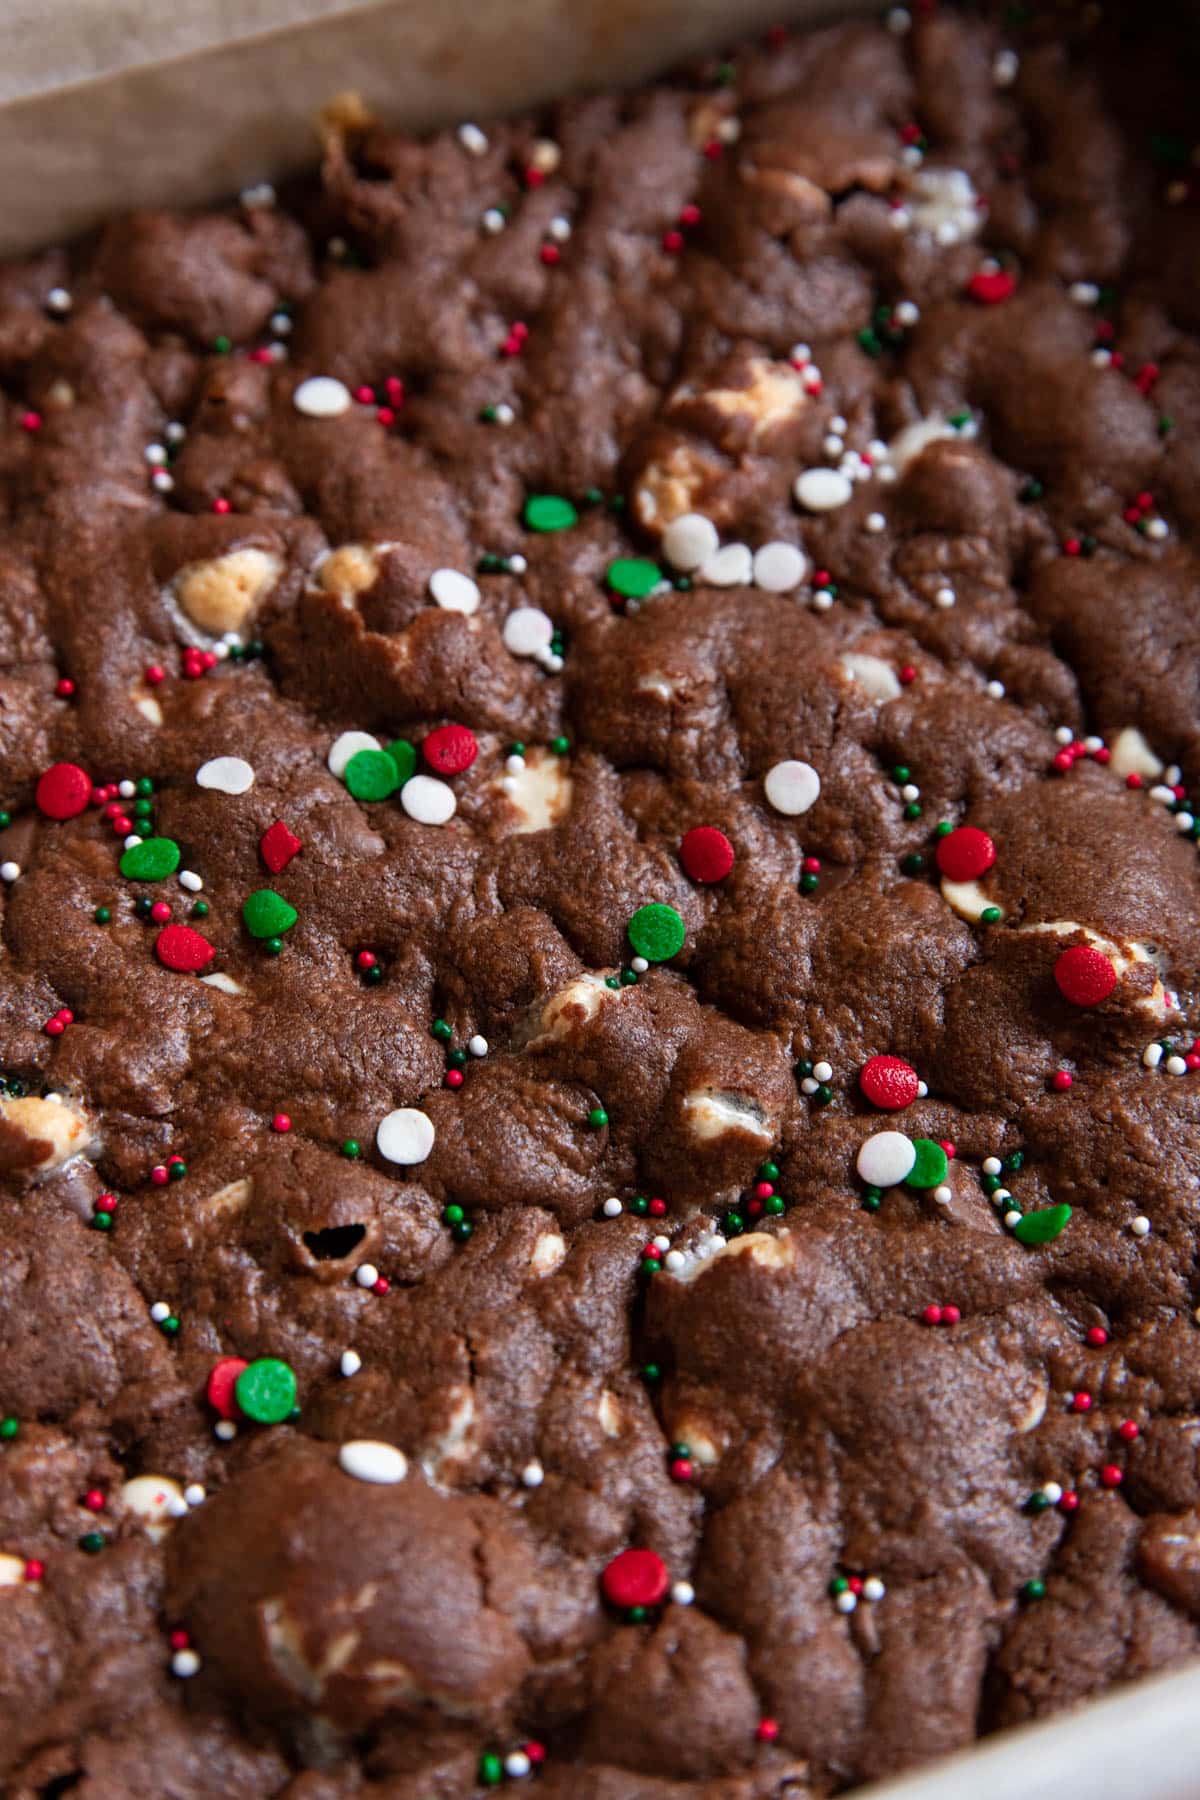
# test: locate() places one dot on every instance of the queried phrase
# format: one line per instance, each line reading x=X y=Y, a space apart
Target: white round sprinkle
x=1012 y=1219
x=155 y=455
x=995 y=690
x=321 y=397
x=910 y=792
x=1084 y=293
x=823 y=1071
x=847 y=1602
x=945 y=598
x=822 y=490
x=129 y=842
x=1163 y=794
x=943 y=1194
x=1063 y=734
x=346 y=746
x=405 y=1136
x=779 y=567
x=1152 y=1055
x=368 y=1460
x=517 y=564
x=493 y=221
x=533 y=1474
x=683 y=1593
x=660 y=1242
x=350 y=1363
x=478 y=1046
x=226 y=1430
x=559 y=229
x=9 y=871
x=907 y=313
x=160 y=1311
x=792 y=787
x=161 y=482
x=280 y=324
x=1175 y=1065
x=900 y=218
x=428 y=801
x=366 y=1275
x=504 y=413
x=1052 y=1492
x=674 y=1260
x=885 y=1159
x=1000 y=1195
x=127 y=789
x=639 y=965
x=1140 y=1226
x=454 y=591
x=922 y=1089
x=689 y=541
x=58 y=300
x=517 y=1764
x=612 y=1208
x=912 y=156
x=822 y=600
x=473 y=141
x=1173 y=775
x=175 y=431
x=194 y=1494
x=833 y=445
x=873 y=1589
x=1092 y=744
x=527 y=631
x=809 y=1085
x=226 y=775
x=1184 y=821
x=190 y=880
x=1157 y=529
x=732 y=566
x=992 y=1165
x=514 y=765
x=185 y=1664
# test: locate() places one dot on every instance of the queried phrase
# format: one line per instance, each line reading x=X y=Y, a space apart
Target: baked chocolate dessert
x=599 y=925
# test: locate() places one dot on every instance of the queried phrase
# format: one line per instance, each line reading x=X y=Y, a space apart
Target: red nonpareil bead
x=179 y=1640
x=1069 y=1502
x=54 y=1028
x=550 y=254
x=1192 y=1060
x=932 y=1315
x=657 y=1207
x=1128 y=1430
x=159 y=1176
x=991 y=286
x=534 y=1751
x=1061 y=1080
x=763 y=1190
x=949 y=1150
x=64 y=687
x=1097 y=1337
x=365 y=395
x=31 y=421
x=1111 y=1476
x=1146 y=500
x=519 y=330
x=393 y=387
x=122 y=824
x=672 y=242
x=906 y=675
x=534 y=177
x=221 y=505
x=653 y=1251
x=1064 y=761
x=160 y=912
x=811 y=865
x=94 y=1500
x=1103 y=755
x=281 y=1122
x=34 y=1569
x=1071 y=547
x=767 y=1730
x=681 y=1469
x=754 y=1208
x=365 y=959
x=950 y=1315
x=381 y=1287
x=690 y=215
x=1081 y=1402
x=153 y=674
x=385 y=416
x=453 y=1078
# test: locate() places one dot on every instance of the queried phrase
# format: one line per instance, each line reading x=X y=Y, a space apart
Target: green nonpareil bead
x=597 y=1118
x=991 y=915
x=560 y=745
x=92 y=1542
x=913 y=809
x=629 y=978
x=650 y=1372
x=9 y=1428
x=732 y=1224
x=809 y=883
x=151 y=860
x=441 y=1030
x=640 y=1205
x=371 y=775
x=462 y=1231
x=490 y=1770
x=656 y=932
x=1036 y=1503
x=102 y=915
x=5 y=820
x=549 y=512
x=637 y=1615
x=101 y=1221
x=453 y=1214
x=913 y=864
x=1015 y=1160
x=1044 y=1226
x=649 y=1265
x=1034 y=1590
x=823 y=1095
x=267 y=914
x=612 y=981
x=931 y=1166
x=773 y=1205
x=633 y=576
x=350 y=1148
x=200 y=910
x=768 y=1171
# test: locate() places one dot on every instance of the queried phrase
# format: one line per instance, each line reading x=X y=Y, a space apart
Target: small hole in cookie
x=334 y=1242
x=61 y=1784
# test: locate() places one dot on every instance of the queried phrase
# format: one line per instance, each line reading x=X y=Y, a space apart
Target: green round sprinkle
x=462 y=1230
x=683 y=1450
x=612 y=981
x=809 y=883
x=773 y=1204
x=991 y=915
x=1044 y=1226
x=9 y=1428
x=874 y=1193
x=629 y=978
x=640 y=1205
x=732 y=1224
x=267 y=914
x=5 y=820
x=804 y=1067
x=101 y=1221
x=901 y=773
x=142 y=809
x=633 y=576
x=516 y=748
x=350 y=1147
x=453 y=1214
x=488 y=415
x=273 y=946
x=169 y=1326
x=593 y=496
x=176 y=1171
x=142 y=905
x=440 y=1029
x=373 y=977
x=651 y=1372
x=649 y=1265
x=1036 y=1503
x=266 y=1390
x=457 y=1059
x=200 y=910
x=549 y=512
x=991 y=1183
x=656 y=932
x=371 y=775
x=683 y=584
x=913 y=810
x=404 y=757
x=823 y=1095
x=92 y=1541
x=144 y=786
x=839 y=1585
x=1015 y=1160
x=637 y=1615
x=943 y=828
x=491 y=1769
x=222 y=345
x=913 y=864
x=560 y=745
x=1033 y=1590
x=102 y=915
x=597 y=1118
x=768 y=1171
x=151 y=860
x=931 y=1166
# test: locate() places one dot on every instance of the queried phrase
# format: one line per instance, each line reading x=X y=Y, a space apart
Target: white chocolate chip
x=731 y=566
x=428 y=801
x=527 y=631
x=225 y=592
x=57 y=1129
x=405 y=1136
x=154 y=1499
x=548 y=1253
x=822 y=490
x=453 y=591
x=226 y=775
x=710 y=1114
x=792 y=787
x=368 y=1460
x=876 y=677
x=779 y=567
x=689 y=541
x=322 y=397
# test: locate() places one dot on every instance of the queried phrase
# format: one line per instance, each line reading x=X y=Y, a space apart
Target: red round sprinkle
x=385 y=416
x=713 y=150
x=393 y=387
x=160 y=912
x=1103 y=755
x=754 y=1208
x=657 y=1207
x=1111 y=1476
x=950 y=1315
x=534 y=1751
x=763 y=1190
x=1081 y=1402
x=1146 y=500
x=64 y=687
x=179 y=1640
x=1069 y=1502
x=1071 y=547
x=179 y=947
x=381 y=1286
x=811 y=865
x=54 y=1028
x=681 y=1469
x=365 y=395
x=767 y=1730
x=1061 y=1080
x=653 y=1252
x=453 y=1078
x=1127 y=1430
x=31 y=421
x=1064 y=760
x=220 y=505
x=635 y=1578
x=965 y=854
x=550 y=254
x=1192 y=1060
x=63 y=791
x=365 y=959
x=281 y=1122
x=158 y=1175
x=932 y=1315
x=889 y=1082
x=122 y=824
x=706 y=853
x=153 y=674
x=989 y=287
x=1085 y=976
x=222 y=1380
x=277 y=846
x=519 y=330
x=450 y=749
x=94 y=1500
x=906 y=675
x=1097 y=1336
x=34 y=1569
x=534 y=178
x=672 y=242
x=855 y=1584
x=689 y=215
x=951 y=1150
